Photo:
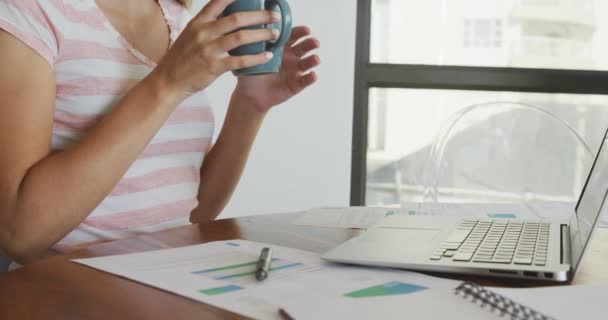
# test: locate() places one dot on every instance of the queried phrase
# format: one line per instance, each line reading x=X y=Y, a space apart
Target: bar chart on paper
x=222 y=274
x=240 y=275
x=388 y=289
x=243 y=273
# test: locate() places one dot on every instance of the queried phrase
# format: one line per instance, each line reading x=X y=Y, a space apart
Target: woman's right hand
x=200 y=54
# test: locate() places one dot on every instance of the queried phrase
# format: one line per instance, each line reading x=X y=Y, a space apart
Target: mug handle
x=286 y=23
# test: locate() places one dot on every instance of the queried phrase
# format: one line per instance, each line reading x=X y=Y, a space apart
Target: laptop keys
x=455 y=240
x=523 y=260
x=458 y=236
x=524 y=254
x=463 y=256
x=449 y=253
x=437 y=254
x=542 y=246
x=503 y=242
x=505 y=260
x=450 y=245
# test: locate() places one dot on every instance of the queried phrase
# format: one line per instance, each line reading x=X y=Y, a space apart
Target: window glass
x=468 y=146
x=553 y=34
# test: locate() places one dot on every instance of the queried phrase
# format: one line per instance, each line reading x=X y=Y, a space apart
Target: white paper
x=365 y=217
x=348 y=218
x=311 y=289
x=339 y=293
x=196 y=272
x=299 y=282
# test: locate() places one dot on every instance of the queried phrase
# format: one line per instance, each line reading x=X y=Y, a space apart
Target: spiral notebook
x=497 y=303
x=556 y=302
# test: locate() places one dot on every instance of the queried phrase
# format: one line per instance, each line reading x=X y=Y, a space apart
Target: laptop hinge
x=566 y=255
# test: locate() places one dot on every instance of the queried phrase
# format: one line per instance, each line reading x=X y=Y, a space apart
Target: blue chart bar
x=220 y=290
x=388 y=289
x=232 y=244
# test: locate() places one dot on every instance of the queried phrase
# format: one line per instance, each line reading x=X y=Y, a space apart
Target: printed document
x=222 y=274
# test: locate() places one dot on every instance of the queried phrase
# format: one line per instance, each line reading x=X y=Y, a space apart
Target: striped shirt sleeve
x=28 y=22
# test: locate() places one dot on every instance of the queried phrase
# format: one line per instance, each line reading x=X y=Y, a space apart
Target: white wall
x=302 y=157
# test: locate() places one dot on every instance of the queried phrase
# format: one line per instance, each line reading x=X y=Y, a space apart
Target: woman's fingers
x=309 y=63
x=240 y=62
x=240 y=20
x=244 y=37
x=212 y=10
x=304 y=47
x=300 y=45
x=298 y=33
x=305 y=81
x=210 y=36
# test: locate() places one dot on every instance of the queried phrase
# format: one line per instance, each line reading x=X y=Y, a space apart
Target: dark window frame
x=378 y=75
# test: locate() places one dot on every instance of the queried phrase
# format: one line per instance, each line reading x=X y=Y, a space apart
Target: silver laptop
x=546 y=250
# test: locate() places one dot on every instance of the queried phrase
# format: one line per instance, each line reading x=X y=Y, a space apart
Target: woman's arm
x=225 y=162
x=251 y=100
x=45 y=196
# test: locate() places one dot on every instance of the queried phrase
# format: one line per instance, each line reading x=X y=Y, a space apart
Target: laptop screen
x=589 y=204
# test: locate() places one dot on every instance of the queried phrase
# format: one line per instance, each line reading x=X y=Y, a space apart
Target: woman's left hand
x=266 y=91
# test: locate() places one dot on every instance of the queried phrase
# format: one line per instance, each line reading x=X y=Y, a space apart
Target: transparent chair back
x=503 y=152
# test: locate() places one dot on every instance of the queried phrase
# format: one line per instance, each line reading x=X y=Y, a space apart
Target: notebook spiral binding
x=502 y=305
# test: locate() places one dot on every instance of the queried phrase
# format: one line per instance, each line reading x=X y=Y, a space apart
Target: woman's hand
x=266 y=91
x=200 y=54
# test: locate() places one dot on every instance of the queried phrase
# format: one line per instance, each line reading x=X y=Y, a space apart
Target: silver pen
x=262 y=268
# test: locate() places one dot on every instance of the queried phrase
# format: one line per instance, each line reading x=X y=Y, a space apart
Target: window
x=555 y=34
x=526 y=79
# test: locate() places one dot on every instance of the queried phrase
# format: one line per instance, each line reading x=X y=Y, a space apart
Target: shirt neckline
x=171 y=26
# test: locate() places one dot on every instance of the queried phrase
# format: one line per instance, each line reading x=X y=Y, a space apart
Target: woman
x=104 y=124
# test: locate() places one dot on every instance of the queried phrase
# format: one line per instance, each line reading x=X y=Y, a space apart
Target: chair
x=503 y=152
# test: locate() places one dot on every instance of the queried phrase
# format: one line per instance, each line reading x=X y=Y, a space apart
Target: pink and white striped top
x=94 y=67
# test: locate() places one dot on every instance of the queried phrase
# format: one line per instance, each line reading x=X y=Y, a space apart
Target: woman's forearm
x=61 y=190
x=224 y=165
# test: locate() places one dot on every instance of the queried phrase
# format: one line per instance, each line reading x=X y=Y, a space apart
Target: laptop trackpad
x=391 y=243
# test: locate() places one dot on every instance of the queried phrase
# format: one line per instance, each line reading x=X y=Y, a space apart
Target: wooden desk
x=56 y=288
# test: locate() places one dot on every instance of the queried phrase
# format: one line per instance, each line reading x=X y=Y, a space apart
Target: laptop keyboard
x=503 y=242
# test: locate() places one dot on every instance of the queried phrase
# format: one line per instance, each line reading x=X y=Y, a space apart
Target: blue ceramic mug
x=276 y=47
